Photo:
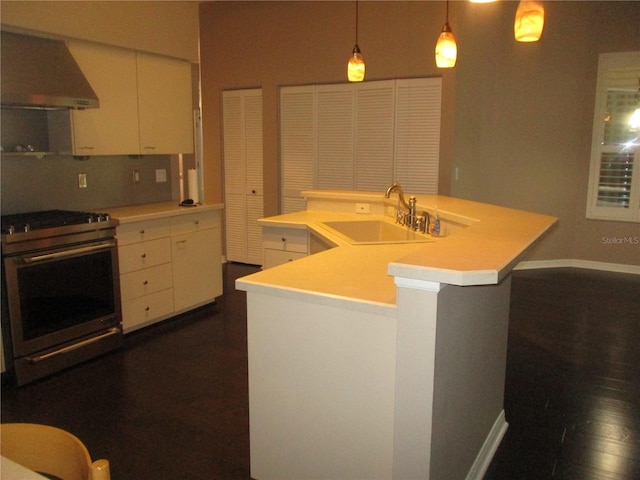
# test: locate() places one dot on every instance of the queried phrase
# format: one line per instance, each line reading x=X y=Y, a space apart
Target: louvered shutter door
x=335 y=104
x=242 y=127
x=297 y=122
x=374 y=136
x=254 y=178
x=417 y=134
x=234 y=180
x=360 y=137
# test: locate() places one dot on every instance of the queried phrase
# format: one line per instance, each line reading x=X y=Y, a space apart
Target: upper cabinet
x=111 y=129
x=145 y=103
x=164 y=105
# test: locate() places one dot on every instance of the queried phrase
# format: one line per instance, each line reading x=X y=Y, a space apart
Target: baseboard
x=576 y=263
x=489 y=448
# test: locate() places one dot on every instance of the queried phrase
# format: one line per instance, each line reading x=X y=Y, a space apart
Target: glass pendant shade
x=355 y=68
x=529 y=21
x=446 y=49
x=634 y=121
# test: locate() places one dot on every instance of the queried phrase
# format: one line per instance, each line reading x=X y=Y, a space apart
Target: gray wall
x=524 y=116
x=32 y=184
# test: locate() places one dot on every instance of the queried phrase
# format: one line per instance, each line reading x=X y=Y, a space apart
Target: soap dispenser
x=435 y=230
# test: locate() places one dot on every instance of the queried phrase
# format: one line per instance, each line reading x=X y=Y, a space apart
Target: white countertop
x=490 y=244
x=150 y=211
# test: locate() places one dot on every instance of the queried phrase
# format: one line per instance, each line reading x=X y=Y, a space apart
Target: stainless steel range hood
x=41 y=73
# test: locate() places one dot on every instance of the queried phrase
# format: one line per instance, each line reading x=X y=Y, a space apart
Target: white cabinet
x=242 y=118
x=197 y=264
x=164 y=105
x=145 y=104
x=168 y=266
x=146 y=281
x=282 y=245
x=111 y=129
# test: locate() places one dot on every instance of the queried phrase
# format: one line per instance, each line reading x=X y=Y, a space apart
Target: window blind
x=614 y=181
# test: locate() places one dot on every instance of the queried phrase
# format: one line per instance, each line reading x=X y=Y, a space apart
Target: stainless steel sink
x=372 y=232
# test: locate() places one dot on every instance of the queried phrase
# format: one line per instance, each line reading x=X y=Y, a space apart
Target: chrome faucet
x=411 y=220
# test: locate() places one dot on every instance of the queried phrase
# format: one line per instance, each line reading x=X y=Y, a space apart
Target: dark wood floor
x=173 y=403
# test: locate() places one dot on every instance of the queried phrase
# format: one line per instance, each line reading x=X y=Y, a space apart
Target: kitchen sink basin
x=371 y=232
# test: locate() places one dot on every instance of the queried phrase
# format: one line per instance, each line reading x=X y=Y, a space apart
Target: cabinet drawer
x=145 y=281
x=144 y=255
x=287 y=239
x=142 y=231
x=145 y=310
x=273 y=258
x=194 y=222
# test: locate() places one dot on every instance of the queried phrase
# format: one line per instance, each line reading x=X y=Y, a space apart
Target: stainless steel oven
x=61 y=295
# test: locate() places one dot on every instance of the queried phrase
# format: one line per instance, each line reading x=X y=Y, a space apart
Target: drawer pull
x=284 y=239
x=146 y=309
x=144 y=255
x=142 y=232
x=146 y=282
x=196 y=222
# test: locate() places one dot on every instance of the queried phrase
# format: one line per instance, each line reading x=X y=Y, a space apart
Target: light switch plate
x=82 y=180
x=161 y=175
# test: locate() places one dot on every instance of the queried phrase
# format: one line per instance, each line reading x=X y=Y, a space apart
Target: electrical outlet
x=362 y=208
x=82 y=180
x=136 y=176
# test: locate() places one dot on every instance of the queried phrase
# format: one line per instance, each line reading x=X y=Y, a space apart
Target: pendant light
x=355 y=68
x=529 y=21
x=446 y=49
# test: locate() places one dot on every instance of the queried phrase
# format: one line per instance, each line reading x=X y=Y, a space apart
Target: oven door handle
x=65 y=253
x=108 y=333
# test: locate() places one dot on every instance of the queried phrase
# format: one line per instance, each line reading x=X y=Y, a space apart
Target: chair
x=50 y=451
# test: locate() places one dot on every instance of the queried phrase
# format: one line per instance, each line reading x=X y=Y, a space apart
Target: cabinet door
x=164 y=105
x=144 y=255
x=286 y=239
x=197 y=268
x=111 y=129
x=273 y=258
x=146 y=281
x=142 y=311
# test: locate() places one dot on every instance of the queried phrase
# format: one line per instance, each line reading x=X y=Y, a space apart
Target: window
x=614 y=180
x=359 y=136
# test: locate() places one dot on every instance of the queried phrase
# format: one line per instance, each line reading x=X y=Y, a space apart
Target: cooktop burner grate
x=25 y=222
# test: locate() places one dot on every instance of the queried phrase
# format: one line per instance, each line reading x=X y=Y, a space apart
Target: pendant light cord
x=356 y=22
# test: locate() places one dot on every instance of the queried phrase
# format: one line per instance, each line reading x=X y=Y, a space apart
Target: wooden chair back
x=51 y=451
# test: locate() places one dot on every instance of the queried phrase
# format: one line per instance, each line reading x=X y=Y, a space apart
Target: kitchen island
x=383 y=361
